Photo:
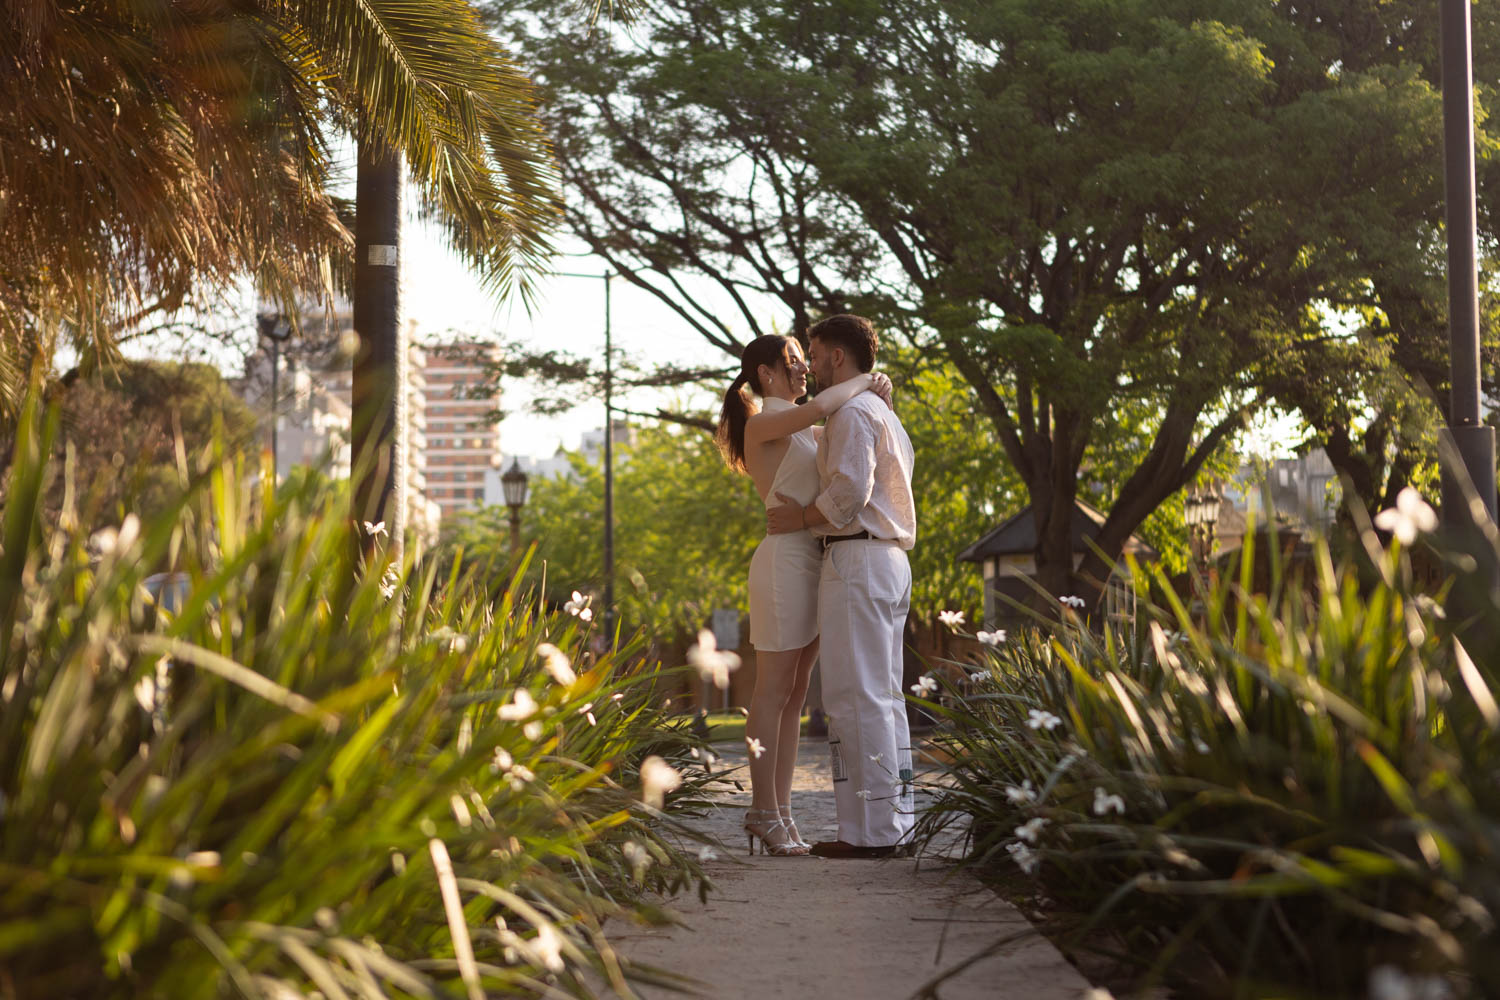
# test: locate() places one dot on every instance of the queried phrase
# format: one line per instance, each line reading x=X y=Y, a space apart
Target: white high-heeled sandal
x=765 y=827
x=785 y=813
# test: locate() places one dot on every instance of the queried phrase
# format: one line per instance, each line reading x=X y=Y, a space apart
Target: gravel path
x=842 y=930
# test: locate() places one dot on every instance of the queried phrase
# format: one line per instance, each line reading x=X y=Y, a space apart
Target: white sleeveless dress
x=785 y=569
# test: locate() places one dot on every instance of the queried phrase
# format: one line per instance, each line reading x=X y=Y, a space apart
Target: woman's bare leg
x=775 y=675
x=790 y=734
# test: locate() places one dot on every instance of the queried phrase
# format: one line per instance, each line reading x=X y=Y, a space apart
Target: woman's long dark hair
x=770 y=351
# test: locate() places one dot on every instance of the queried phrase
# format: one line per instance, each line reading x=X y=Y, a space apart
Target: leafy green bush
x=1272 y=797
x=287 y=783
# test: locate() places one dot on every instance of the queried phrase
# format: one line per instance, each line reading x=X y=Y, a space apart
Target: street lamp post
x=513 y=485
x=269 y=324
x=609 y=455
x=1201 y=511
x=1473 y=443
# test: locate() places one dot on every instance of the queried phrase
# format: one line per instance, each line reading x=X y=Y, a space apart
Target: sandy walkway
x=842 y=930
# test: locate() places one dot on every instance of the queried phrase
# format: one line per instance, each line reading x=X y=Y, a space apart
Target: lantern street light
x=275 y=328
x=513 y=485
x=1201 y=511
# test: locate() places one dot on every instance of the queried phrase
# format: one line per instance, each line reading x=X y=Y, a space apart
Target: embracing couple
x=832 y=568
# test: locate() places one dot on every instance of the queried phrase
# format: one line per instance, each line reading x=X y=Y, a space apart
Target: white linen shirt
x=864 y=473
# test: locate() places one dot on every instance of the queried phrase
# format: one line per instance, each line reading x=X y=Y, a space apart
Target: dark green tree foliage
x=123 y=426
x=1085 y=206
x=686 y=525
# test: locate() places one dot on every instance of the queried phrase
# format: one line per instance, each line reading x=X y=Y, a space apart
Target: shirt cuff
x=836 y=519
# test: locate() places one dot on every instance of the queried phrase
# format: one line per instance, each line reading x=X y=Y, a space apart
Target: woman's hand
x=881 y=386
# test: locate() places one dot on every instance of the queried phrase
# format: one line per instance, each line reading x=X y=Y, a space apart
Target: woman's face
x=796 y=369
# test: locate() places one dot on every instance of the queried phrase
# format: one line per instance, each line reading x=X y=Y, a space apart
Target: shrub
x=1272 y=797
x=287 y=783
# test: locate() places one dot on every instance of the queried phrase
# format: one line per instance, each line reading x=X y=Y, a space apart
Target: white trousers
x=863 y=596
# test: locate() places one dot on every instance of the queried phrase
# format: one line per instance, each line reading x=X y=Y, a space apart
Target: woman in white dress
x=775 y=443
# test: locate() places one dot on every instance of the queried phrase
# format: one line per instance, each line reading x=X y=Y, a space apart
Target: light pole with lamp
x=513 y=484
x=1471 y=441
x=1201 y=511
x=275 y=328
x=609 y=456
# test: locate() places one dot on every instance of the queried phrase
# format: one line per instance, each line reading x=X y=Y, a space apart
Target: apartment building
x=312 y=411
x=463 y=430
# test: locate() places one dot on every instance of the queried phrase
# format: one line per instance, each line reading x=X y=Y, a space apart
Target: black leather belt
x=827 y=540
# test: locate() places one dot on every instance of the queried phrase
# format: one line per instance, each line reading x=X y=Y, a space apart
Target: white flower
x=924 y=687
x=657 y=779
x=522 y=707
x=994 y=638
x=587 y=615
x=578 y=605
x=532 y=730
x=876 y=758
x=1199 y=745
x=556 y=662
x=952 y=619
x=1105 y=802
x=1073 y=601
x=109 y=540
x=712 y=662
x=548 y=948
x=755 y=747
x=1021 y=794
x=518 y=776
x=863 y=793
x=587 y=712
x=978 y=677
x=389 y=581
x=502 y=761
x=375 y=530
x=1030 y=830
x=1389 y=983
x=1409 y=518
x=707 y=854
x=1025 y=858
x=1428 y=606
x=1039 y=719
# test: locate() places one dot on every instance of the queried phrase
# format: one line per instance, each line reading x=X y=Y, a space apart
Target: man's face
x=820 y=362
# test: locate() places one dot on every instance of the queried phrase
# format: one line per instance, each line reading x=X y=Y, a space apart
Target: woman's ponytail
x=770 y=350
x=730 y=435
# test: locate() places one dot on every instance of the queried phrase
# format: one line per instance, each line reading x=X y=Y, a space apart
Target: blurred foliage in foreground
x=1289 y=794
x=278 y=781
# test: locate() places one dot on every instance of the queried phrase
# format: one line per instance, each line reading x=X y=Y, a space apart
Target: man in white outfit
x=866 y=519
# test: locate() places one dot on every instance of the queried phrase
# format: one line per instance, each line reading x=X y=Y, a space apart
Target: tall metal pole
x=609 y=473
x=377 y=395
x=1473 y=442
x=267 y=324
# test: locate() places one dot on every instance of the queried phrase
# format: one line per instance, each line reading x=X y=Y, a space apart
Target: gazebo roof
x=1016 y=536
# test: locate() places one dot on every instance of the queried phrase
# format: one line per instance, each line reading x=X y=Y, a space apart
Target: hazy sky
x=569 y=314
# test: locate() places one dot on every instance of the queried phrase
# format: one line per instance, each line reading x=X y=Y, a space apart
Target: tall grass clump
x=1293 y=793
x=312 y=774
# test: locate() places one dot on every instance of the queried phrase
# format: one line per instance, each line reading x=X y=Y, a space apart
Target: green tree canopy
x=123 y=426
x=1090 y=207
x=686 y=525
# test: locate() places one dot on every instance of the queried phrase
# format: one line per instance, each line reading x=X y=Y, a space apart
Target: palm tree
x=151 y=151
